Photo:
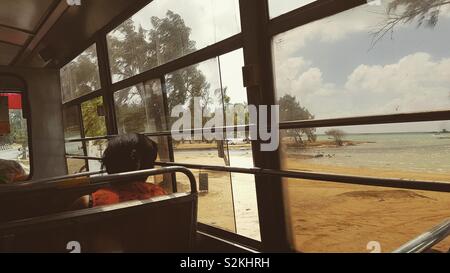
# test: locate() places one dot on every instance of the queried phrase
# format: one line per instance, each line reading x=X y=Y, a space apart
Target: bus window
x=80 y=76
x=166 y=30
x=140 y=108
x=72 y=130
x=94 y=125
x=93 y=118
x=214 y=88
x=14 y=151
x=342 y=66
x=276 y=8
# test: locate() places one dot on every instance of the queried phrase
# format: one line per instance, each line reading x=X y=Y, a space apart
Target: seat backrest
x=160 y=224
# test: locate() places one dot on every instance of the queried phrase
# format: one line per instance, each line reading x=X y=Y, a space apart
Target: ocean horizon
x=411 y=151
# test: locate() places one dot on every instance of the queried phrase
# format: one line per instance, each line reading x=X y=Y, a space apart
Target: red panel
x=15 y=100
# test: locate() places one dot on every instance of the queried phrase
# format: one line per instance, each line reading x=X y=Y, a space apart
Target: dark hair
x=130 y=152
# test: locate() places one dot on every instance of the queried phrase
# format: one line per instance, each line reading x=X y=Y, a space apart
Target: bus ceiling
x=47 y=33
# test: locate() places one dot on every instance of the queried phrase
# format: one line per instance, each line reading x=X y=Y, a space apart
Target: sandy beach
x=335 y=217
x=324 y=217
x=328 y=217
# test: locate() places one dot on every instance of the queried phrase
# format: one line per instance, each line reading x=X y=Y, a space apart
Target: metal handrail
x=171 y=133
x=435 y=186
x=314 y=123
x=426 y=240
x=98 y=180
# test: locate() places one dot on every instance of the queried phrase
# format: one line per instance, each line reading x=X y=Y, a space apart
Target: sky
x=334 y=70
x=278 y=7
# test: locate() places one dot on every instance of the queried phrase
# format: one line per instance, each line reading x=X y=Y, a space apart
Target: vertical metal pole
x=257 y=54
x=168 y=125
x=82 y=133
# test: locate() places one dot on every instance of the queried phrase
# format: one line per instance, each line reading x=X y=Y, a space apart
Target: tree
x=19 y=133
x=406 y=11
x=81 y=76
x=290 y=109
x=134 y=50
x=337 y=135
x=94 y=125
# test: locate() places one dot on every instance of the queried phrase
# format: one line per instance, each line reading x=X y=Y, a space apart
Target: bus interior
x=334 y=117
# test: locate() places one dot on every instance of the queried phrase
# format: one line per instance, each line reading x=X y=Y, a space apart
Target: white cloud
x=365 y=19
x=414 y=83
x=331 y=29
x=417 y=83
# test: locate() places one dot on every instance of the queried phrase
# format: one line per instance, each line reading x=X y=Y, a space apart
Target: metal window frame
x=257 y=32
x=108 y=88
x=321 y=9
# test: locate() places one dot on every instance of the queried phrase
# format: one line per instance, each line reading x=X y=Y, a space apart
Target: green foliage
x=19 y=133
x=81 y=76
x=94 y=125
x=407 y=11
x=290 y=109
x=337 y=135
x=134 y=50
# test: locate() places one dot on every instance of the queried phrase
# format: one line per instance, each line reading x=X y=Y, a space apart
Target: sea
x=419 y=152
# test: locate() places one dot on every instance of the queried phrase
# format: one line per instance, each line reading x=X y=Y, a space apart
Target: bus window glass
x=72 y=124
x=94 y=126
x=140 y=108
x=329 y=217
x=166 y=30
x=93 y=118
x=277 y=7
x=211 y=90
x=14 y=151
x=80 y=76
x=343 y=218
x=346 y=65
x=72 y=130
x=239 y=145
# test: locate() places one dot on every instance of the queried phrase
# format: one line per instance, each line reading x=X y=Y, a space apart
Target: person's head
x=130 y=152
x=11 y=171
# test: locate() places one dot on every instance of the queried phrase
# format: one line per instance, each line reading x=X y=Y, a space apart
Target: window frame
x=255 y=38
x=108 y=88
x=318 y=10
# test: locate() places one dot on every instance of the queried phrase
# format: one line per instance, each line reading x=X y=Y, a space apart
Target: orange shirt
x=123 y=193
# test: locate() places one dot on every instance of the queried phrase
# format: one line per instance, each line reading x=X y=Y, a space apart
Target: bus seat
x=160 y=224
x=20 y=205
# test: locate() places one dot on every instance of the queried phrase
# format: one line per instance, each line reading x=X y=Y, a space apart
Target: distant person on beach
x=126 y=153
x=11 y=171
